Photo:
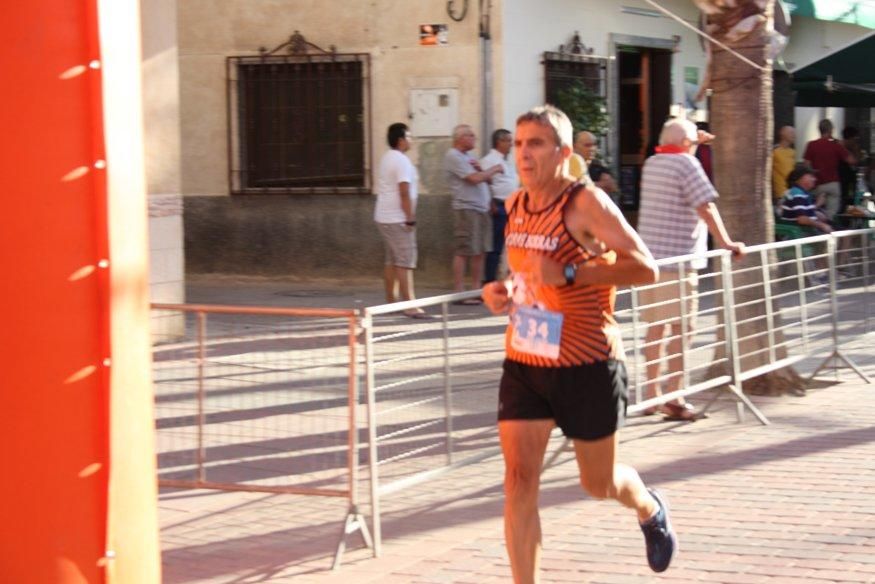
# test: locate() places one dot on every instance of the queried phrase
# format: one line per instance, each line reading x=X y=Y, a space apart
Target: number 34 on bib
x=536 y=331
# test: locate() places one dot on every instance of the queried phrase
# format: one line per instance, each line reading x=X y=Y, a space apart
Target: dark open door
x=644 y=81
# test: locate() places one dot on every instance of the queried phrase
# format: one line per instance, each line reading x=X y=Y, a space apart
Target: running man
x=568 y=247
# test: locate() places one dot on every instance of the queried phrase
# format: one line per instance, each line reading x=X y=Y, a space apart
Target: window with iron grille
x=561 y=70
x=298 y=123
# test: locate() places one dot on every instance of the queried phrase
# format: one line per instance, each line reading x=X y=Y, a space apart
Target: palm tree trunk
x=741 y=118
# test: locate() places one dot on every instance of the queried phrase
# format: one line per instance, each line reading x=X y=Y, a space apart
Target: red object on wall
x=53 y=235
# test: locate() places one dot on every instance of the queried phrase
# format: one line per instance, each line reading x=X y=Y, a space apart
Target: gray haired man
x=677 y=212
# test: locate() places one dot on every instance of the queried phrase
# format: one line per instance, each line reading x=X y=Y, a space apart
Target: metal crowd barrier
x=776 y=307
x=260 y=400
x=431 y=392
x=430 y=386
x=798 y=295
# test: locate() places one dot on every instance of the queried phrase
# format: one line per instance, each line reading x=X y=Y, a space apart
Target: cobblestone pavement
x=788 y=502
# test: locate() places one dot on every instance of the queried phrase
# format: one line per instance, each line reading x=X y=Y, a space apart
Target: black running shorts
x=587 y=402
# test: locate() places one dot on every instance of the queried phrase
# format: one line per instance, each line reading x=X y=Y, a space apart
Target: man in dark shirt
x=798 y=205
x=824 y=155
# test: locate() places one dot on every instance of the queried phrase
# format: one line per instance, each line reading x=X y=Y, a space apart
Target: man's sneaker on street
x=662 y=543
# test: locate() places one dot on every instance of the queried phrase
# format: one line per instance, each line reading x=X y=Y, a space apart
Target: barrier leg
x=744 y=400
x=370 y=389
x=710 y=402
x=355 y=521
x=731 y=334
x=837 y=354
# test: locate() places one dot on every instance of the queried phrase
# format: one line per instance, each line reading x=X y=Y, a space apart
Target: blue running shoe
x=662 y=543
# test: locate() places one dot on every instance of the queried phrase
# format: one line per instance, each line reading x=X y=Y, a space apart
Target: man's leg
x=603 y=478
x=523 y=443
x=462 y=226
x=675 y=362
x=459 y=273
x=476 y=271
x=833 y=202
x=493 y=258
x=390 y=283
x=653 y=356
x=405 y=280
x=404 y=276
x=490 y=268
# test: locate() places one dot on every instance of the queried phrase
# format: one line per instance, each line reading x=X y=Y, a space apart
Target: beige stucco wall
x=273 y=235
x=270 y=234
x=211 y=30
x=161 y=95
x=161 y=145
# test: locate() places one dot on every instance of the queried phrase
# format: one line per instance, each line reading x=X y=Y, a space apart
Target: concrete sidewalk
x=292 y=293
x=789 y=502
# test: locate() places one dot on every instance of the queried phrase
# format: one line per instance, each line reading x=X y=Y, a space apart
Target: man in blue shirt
x=798 y=204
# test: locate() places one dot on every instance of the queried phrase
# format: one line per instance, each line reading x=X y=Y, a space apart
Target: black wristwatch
x=570 y=273
x=410 y=223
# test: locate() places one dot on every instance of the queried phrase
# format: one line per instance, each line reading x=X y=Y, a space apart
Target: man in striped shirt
x=798 y=207
x=798 y=204
x=677 y=213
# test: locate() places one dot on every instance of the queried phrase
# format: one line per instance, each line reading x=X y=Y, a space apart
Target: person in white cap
x=677 y=211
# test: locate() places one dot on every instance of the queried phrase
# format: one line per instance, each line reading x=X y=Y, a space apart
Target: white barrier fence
x=429 y=387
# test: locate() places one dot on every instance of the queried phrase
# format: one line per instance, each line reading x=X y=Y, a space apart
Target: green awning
x=839 y=79
x=857 y=12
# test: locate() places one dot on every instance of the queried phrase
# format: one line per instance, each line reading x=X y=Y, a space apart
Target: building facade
x=266 y=118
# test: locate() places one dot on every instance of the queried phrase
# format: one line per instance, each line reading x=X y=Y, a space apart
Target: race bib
x=536 y=331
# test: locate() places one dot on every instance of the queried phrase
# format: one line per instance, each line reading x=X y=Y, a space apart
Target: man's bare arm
x=596 y=215
x=483 y=175
x=711 y=216
x=595 y=218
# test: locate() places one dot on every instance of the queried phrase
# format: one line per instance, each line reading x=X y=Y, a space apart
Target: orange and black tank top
x=589 y=330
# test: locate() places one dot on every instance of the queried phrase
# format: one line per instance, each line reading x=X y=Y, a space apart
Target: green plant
x=586 y=109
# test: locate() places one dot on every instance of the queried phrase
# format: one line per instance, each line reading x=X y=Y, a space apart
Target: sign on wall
x=433 y=35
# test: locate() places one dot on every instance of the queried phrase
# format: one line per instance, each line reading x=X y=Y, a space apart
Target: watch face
x=570 y=272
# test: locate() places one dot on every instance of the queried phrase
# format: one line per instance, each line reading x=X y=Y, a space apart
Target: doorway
x=644 y=96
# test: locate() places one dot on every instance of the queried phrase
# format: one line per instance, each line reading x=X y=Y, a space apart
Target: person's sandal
x=675 y=412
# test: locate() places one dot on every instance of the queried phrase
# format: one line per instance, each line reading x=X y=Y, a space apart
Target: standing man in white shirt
x=501 y=187
x=395 y=215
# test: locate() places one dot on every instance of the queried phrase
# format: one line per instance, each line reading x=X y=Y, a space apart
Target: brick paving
x=788 y=502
